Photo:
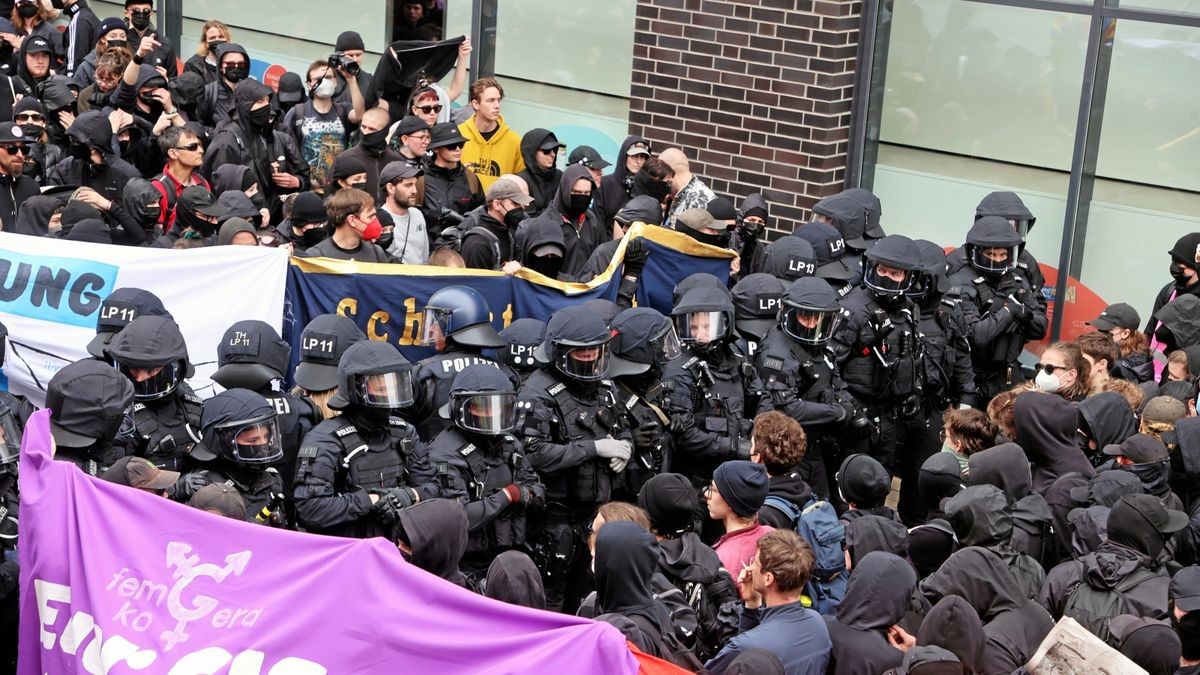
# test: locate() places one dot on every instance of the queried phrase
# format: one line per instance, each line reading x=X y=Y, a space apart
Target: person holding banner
x=355 y=228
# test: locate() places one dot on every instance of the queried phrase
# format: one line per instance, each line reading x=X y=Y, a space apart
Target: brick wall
x=757 y=93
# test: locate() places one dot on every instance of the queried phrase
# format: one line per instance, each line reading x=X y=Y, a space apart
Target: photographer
x=322 y=125
x=349 y=50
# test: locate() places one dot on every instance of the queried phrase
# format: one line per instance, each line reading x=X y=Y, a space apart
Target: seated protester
x=141 y=474
x=354 y=229
x=539 y=149
x=775 y=618
x=449 y=184
x=931 y=543
x=13 y=147
x=641 y=209
x=735 y=496
x=1046 y=427
x=251 y=140
x=1151 y=644
x=433 y=536
x=216 y=104
x=1184 y=594
x=143 y=94
x=221 y=500
x=1006 y=467
x=1124 y=575
x=184 y=154
x=1104 y=419
x=522 y=336
x=35 y=60
x=1014 y=626
x=92 y=230
x=981 y=516
x=688 y=563
x=109 y=68
x=1063 y=371
x=237 y=232
x=203 y=63
x=1121 y=323
x=306 y=226
x=39 y=216
x=1103 y=356
x=87 y=401
x=111 y=36
x=581 y=232
x=42 y=154
x=196 y=216
x=321 y=127
x=92 y=163
x=865 y=632
x=966 y=432
x=513 y=578
x=486 y=233
x=864 y=485
x=1147 y=458
x=954 y=626
x=538 y=245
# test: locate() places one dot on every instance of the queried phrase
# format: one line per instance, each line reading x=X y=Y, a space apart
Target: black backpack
x=669 y=647
x=452 y=237
x=1092 y=607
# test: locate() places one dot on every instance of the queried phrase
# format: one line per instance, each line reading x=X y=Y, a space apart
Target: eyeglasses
x=942 y=435
x=16 y=149
x=1049 y=368
x=420 y=138
x=31 y=117
x=429 y=109
x=190 y=147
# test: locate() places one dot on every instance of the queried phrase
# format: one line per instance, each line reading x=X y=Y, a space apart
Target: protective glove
x=1017 y=308
x=387 y=508
x=646 y=435
x=742 y=448
x=748 y=231
x=847 y=412
x=610 y=448
x=617 y=464
x=636 y=255
x=516 y=494
x=186 y=486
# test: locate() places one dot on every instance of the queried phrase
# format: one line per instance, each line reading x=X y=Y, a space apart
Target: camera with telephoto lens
x=340 y=60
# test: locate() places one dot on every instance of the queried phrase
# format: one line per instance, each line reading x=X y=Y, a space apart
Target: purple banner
x=115 y=580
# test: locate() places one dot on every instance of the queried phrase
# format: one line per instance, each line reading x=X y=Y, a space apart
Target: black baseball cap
x=11 y=133
x=409 y=125
x=38 y=45
x=587 y=156
x=1139 y=449
x=398 y=170
x=1184 y=590
x=1119 y=315
x=197 y=199
x=1151 y=509
x=445 y=134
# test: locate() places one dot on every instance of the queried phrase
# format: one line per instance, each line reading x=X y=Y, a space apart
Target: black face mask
x=514 y=217
x=548 y=265
x=652 y=187
x=236 y=74
x=261 y=117
x=27 y=11
x=152 y=215
x=720 y=240
x=32 y=130
x=81 y=152
x=147 y=97
x=375 y=142
x=1188 y=630
x=125 y=146
x=140 y=20
x=890 y=301
x=1178 y=275
x=359 y=186
x=385 y=240
x=577 y=205
x=312 y=237
x=187 y=219
x=117 y=44
x=213 y=44
x=1166 y=337
x=258 y=200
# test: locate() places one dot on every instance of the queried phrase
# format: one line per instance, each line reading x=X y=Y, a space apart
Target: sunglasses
x=456 y=146
x=190 y=147
x=1049 y=368
x=16 y=149
x=30 y=117
x=429 y=109
x=549 y=151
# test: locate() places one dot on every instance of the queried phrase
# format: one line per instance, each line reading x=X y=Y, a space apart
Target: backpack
x=669 y=648
x=452 y=237
x=1093 y=607
x=714 y=603
x=818 y=523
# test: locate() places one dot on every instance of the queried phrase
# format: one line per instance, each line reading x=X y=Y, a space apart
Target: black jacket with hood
x=107 y=178
x=33 y=218
x=513 y=578
x=953 y=624
x=579 y=238
x=1046 y=431
x=877 y=598
x=543 y=185
x=534 y=233
x=1013 y=625
x=981 y=517
x=436 y=531
x=1186 y=463
x=616 y=187
x=52 y=36
x=626 y=558
x=1103 y=569
x=1006 y=467
x=14 y=190
x=479 y=251
x=691 y=566
x=1110 y=419
x=791 y=487
x=216 y=104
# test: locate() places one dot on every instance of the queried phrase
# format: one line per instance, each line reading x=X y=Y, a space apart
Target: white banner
x=51 y=291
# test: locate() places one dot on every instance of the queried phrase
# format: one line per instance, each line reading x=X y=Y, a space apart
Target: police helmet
x=704 y=318
x=642 y=339
x=373 y=374
x=1007 y=205
x=482 y=401
x=523 y=337
x=118 y=309
x=993 y=245
x=756 y=303
x=898 y=253
x=931 y=278
x=847 y=215
x=459 y=313
x=322 y=343
x=830 y=250
x=577 y=344
x=695 y=280
x=810 y=313
x=151 y=352
x=240 y=426
x=789 y=258
x=250 y=356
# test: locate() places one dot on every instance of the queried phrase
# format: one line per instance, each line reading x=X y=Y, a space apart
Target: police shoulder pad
x=192 y=398
x=307 y=452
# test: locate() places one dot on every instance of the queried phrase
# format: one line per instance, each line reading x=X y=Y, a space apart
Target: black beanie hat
x=863 y=481
x=743 y=485
x=349 y=40
x=671 y=501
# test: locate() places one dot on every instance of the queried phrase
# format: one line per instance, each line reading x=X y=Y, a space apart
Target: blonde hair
x=321 y=398
x=202 y=50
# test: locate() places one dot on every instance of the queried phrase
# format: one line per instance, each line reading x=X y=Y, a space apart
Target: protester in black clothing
x=139 y=15
x=14 y=146
x=540 y=148
x=617 y=187
x=449 y=185
x=216 y=104
x=503 y=210
x=865 y=632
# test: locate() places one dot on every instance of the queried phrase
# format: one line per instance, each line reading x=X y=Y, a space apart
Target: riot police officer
x=89 y=402
x=833 y=265
x=1008 y=205
x=999 y=305
x=575 y=440
x=797 y=370
x=523 y=337
x=479 y=462
x=644 y=341
x=151 y=352
x=755 y=306
x=240 y=441
x=322 y=343
x=118 y=309
x=356 y=471
x=790 y=258
x=714 y=390
x=947 y=378
x=878 y=346
x=458 y=323
x=252 y=356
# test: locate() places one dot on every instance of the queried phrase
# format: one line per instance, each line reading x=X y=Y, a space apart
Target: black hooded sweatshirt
x=543 y=185
x=1111 y=563
x=1006 y=467
x=513 y=578
x=1110 y=419
x=626 y=558
x=1014 y=626
x=109 y=177
x=534 y=233
x=33 y=218
x=789 y=486
x=952 y=624
x=580 y=237
x=877 y=598
x=1046 y=431
x=980 y=516
x=216 y=102
x=436 y=531
x=688 y=564
x=616 y=188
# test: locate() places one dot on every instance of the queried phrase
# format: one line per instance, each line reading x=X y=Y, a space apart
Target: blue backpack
x=818 y=523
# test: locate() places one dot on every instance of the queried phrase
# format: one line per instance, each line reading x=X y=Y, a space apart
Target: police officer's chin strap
x=370 y=421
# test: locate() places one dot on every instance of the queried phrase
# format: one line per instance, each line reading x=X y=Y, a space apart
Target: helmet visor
x=154 y=382
x=253 y=441
x=920 y=285
x=386 y=390
x=490 y=413
x=436 y=326
x=666 y=345
x=994 y=258
x=701 y=327
x=10 y=439
x=1021 y=225
x=585 y=363
x=810 y=326
x=884 y=278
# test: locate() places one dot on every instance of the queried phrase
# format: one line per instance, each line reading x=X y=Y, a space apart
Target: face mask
x=261 y=117
x=27 y=11
x=258 y=200
x=720 y=240
x=372 y=231
x=385 y=240
x=1178 y=274
x=236 y=74
x=125 y=146
x=577 y=205
x=1165 y=336
x=187 y=219
x=81 y=152
x=152 y=214
x=312 y=237
x=213 y=44
x=548 y=265
x=359 y=186
x=375 y=141
x=140 y=20
x=514 y=217
x=1188 y=630
x=655 y=188
x=326 y=88
x=118 y=44
x=31 y=130
x=147 y=98
x=1047 y=382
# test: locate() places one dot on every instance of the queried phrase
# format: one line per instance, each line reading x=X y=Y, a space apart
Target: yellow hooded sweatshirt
x=491 y=159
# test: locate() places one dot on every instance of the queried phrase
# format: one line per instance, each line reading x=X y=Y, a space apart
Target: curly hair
x=1001 y=410
x=779 y=441
x=1129 y=390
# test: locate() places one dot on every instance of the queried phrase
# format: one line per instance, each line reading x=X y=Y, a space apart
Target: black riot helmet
x=704 y=318
x=250 y=356
x=873 y=209
x=789 y=258
x=241 y=427
x=577 y=344
x=322 y=343
x=695 y=280
x=931 y=281
x=830 y=249
x=151 y=352
x=644 y=340
x=459 y=314
x=756 y=303
x=523 y=337
x=1007 y=205
x=121 y=307
x=898 y=253
x=846 y=213
x=993 y=245
x=373 y=374
x=482 y=401
x=810 y=313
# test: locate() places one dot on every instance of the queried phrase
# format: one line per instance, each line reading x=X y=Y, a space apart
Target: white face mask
x=1047 y=382
x=326 y=88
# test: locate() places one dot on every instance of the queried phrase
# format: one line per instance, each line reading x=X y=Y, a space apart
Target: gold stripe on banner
x=676 y=241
